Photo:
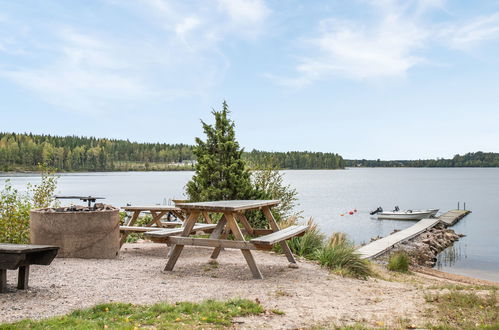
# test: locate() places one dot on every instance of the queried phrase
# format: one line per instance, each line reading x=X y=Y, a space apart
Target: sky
x=365 y=79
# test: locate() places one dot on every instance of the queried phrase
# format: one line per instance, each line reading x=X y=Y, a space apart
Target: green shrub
x=343 y=259
x=14 y=215
x=399 y=262
x=268 y=181
x=15 y=207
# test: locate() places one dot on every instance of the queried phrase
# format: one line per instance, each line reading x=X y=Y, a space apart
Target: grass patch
x=307 y=245
x=344 y=260
x=209 y=313
x=460 y=287
x=337 y=253
x=399 y=262
x=464 y=310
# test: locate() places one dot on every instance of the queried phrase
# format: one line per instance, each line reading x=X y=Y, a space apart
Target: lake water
x=327 y=194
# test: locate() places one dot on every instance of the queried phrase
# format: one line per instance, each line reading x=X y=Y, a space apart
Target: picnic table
x=233 y=211
x=157 y=212
x=13 y=256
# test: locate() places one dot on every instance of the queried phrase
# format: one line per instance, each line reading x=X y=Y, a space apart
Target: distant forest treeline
x=472 y=159
x=73 y=153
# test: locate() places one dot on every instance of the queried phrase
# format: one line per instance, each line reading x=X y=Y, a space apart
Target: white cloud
x=245 y=11
x=87 y=75
x=186 y=26
x=388 y=44
x=467 y=35
x=362 y=52
x=178 y=54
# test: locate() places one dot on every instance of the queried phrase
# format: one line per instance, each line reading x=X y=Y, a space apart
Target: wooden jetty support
x=384 y=244
x=451 y=217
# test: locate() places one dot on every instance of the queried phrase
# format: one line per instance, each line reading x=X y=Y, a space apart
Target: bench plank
x=151 y=208
x=211 y=242
x=24 y=248
x=176 y=231
x=280 y=235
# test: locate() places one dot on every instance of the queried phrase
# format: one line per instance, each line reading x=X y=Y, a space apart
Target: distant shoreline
x=4 y=173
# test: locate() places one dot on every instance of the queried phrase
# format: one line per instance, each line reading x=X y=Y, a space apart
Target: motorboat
x=398 y=214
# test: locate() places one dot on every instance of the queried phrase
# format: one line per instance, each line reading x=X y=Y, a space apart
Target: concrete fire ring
x=89 y=234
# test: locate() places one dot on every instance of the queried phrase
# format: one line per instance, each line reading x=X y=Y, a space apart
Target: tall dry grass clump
x=335 y=253
x=308 y=244
x=342 y=257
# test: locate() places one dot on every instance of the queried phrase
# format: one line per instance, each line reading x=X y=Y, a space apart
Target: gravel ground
x=308 y=295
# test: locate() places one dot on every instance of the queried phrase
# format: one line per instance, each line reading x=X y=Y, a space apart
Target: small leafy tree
x=268 y=182
x=15 y=207
x=221 y=174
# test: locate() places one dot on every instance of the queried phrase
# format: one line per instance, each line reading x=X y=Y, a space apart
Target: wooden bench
x=13 y=256
x=162 y=234
x=267 y=241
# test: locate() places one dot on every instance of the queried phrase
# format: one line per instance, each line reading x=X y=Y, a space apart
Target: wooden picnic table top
x=227 y=206
x=25 y=248
x=151 y=208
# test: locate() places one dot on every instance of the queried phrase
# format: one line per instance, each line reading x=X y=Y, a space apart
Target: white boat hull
x=408 y=215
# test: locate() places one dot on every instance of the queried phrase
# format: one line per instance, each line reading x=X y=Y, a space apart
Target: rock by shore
x=423 y=249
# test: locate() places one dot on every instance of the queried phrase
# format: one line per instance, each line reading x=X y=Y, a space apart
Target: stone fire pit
x=79 y=231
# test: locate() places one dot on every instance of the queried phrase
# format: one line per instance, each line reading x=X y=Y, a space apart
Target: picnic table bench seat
x=280 y=235
x=141 y=229
x=161 y=234
x=14 y=256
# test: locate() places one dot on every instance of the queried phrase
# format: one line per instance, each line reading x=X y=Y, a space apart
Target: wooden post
x=464 y=206
x=458 y=205
x=3 y=280
x=22 y=280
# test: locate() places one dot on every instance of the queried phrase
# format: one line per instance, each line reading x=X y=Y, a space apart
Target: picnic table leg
x=284 y=245
x=246 y=253
x=22 y=279
x=206 y=217
x=218 y=232
x=177 y=249
x=3 y=280
x=134 y=218
x=178 y=214
x=156 y=218
x=245 y=223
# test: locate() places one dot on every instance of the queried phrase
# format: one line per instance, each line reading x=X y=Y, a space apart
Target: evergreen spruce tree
x=221 y=173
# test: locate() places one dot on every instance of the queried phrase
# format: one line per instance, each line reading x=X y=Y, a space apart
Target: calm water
x=325 y=195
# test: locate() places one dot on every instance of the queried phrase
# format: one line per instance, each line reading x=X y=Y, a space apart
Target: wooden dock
x=384 y=244
x=451 y=217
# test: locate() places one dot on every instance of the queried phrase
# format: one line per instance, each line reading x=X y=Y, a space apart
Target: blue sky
x=366 y=79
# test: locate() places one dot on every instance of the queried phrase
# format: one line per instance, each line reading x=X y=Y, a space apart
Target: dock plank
x=382 y=245
x=451 y=217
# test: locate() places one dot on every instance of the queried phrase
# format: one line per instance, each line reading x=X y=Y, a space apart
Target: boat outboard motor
x=379 y=209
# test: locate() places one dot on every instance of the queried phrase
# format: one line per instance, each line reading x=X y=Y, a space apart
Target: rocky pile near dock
x=423 y=249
